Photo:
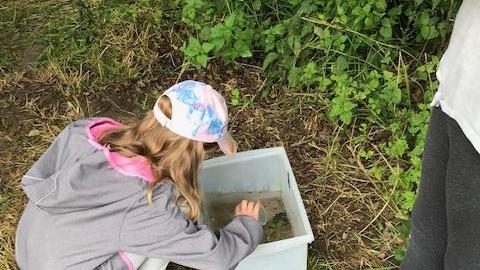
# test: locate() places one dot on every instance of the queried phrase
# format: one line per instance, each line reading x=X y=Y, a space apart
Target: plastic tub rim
x=283 y=244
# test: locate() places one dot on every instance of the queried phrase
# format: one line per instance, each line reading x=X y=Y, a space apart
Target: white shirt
x=459 y=73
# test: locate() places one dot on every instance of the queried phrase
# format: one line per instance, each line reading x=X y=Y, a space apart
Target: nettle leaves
x=231 y=39
x=196 y=52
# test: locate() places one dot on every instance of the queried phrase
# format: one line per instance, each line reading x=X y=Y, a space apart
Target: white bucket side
x=293 y=186
x=293 y=258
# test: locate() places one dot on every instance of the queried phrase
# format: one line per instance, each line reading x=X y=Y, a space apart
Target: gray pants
x=446 y=217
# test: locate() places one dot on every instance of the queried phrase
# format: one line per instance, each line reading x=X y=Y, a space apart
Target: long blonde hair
x=171 y=156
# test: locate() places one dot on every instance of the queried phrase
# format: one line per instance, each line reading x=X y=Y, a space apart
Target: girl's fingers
x=250 y=206
x=244 y=205
x=256 y=208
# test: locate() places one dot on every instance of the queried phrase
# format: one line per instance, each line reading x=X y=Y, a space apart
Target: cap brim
x=228 y=145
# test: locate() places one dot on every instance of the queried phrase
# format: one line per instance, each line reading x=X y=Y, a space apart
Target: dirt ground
x=352 y=223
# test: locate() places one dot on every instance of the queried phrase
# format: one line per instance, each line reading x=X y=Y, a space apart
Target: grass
x=50 y=75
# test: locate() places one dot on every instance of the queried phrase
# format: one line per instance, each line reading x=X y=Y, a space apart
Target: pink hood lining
x=136 y=166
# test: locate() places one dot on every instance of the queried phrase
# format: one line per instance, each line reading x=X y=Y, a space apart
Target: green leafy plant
x=235 y=98
x=197 y=53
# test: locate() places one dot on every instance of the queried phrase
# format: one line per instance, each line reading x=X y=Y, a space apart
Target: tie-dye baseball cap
x=198 y=113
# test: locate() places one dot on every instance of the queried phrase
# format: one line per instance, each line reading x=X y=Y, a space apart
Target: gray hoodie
x=85 y=209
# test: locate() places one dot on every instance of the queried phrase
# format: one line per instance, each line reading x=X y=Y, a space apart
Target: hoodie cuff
x=254 y=228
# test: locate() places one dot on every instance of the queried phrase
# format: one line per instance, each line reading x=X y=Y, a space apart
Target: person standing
x=446 y=217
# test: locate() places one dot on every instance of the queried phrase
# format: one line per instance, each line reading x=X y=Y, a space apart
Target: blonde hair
x=171 y=156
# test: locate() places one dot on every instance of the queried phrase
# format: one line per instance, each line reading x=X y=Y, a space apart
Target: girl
x=102 y=189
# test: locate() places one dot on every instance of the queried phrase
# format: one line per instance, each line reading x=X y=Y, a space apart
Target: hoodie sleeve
x=64 y=147
x=162 y=232
x=41 y=178
x=49 y=162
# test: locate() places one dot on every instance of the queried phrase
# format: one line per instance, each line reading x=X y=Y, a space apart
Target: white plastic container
x=264 y=170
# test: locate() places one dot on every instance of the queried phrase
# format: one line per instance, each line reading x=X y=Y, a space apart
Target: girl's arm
x=66 y=145
x=48 y=163
x=41 y=179
x=163 y=232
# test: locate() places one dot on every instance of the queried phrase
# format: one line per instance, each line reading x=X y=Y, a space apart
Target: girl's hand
x=248 y=208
